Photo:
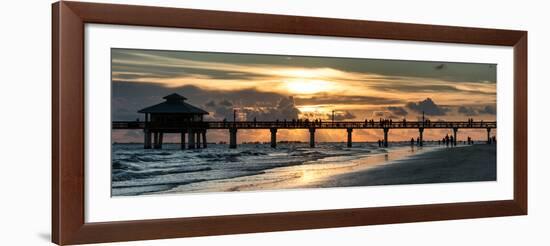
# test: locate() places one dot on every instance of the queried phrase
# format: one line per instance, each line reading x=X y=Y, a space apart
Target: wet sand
x=443 y=165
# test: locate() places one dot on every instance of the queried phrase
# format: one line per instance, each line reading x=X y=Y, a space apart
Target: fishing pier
x=176 y=116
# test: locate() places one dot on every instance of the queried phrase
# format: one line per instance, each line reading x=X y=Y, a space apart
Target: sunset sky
x=270 y=87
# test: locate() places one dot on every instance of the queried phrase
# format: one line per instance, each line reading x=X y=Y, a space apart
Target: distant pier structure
x=174 y=115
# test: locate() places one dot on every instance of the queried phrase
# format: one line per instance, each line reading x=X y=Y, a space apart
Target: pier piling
x=386 y=130
x=161 y=139
x=233 y=138
x=198 y=139
x=421 y=136
x=349 y=130
x=204 y=145
x=488 y=135
x=273 y=137
x=182 y=140
x=312 y=137
x=455 y=130
x=155 y=140
x=191 y=137
x=147 y=139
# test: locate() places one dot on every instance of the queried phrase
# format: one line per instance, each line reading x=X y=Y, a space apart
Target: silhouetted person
x=412 y=141
x=438 y=142
x=494 y=139
x=379 y=143
x=447 y=140
x=418 y=141
x=452 y=141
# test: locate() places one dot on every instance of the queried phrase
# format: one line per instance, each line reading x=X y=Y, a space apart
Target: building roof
x=174 y=104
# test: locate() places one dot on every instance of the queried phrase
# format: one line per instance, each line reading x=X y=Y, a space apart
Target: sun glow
x=307 y=87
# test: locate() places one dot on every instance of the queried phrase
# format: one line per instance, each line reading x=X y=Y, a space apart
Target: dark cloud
x=470 y=111
x=488 y=110
x=326 y=99
x=129 y=97
x=223 y=112
x=386 y=114
x=400 y=111
x=475 y=72
x=210 y=104
x=346 y=115
x=155 y=71
x=226 y=103
x=427 y=106
x=415 y=88
x=411 y=88
x=284 y=110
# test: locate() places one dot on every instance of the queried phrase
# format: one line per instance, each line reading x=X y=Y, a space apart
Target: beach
x=254 y=167
x=444 y=165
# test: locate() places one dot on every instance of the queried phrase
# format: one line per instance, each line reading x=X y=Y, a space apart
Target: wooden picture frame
x=68 y=223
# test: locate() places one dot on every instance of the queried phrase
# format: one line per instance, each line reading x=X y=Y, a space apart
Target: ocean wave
x=131 y=175
x=139 y=171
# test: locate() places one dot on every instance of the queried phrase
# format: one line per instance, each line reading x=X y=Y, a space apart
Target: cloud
x=467 y=111
x=427 y=106
x=327 y=99
x=210 y=104
x=129 y=97
x=400 y=111
x=284 y=110
x=346 y=115
x=241 y=66
x=470 y=111
x=226 y=103
x=432 y=88
x=223 y=112
x=488 y=110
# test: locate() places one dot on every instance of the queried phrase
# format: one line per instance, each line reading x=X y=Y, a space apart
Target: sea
x=138 y=171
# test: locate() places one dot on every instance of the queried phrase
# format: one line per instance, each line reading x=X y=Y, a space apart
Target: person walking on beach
x=452 y=141
x=412 y=142
x=447 y=140
x=379 y=143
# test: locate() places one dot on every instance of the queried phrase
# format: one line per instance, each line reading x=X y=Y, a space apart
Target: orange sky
x=267 y=86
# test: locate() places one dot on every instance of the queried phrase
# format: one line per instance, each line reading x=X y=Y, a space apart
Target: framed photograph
x=177 y=123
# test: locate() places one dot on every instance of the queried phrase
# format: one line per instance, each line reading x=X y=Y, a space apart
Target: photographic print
x=186 y=121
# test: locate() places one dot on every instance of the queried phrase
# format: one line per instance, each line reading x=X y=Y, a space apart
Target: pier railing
x=307 y=125
x=196 y=131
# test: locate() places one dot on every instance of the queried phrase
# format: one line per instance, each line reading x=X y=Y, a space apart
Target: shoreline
x=307 y=175
x=392 y=166
x=445 y=165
